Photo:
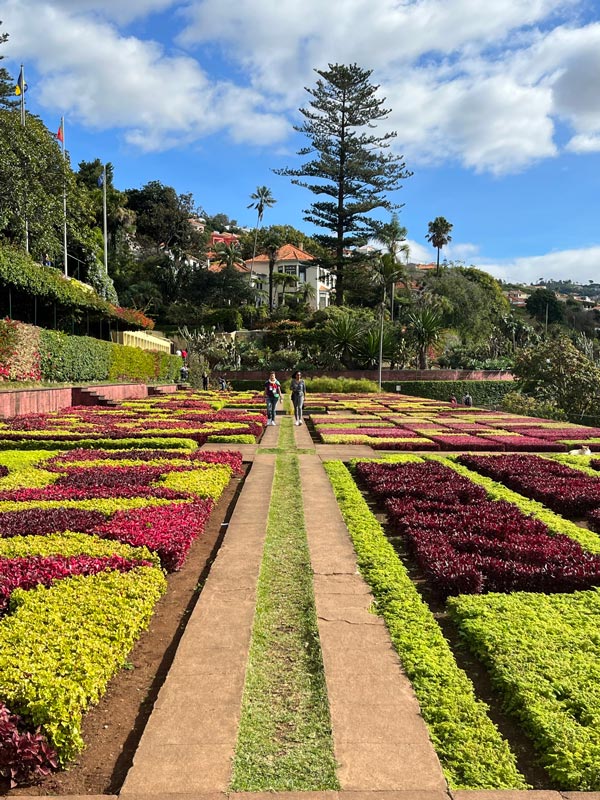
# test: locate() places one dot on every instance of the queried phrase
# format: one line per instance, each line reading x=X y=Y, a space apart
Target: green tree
x=262 y=198
x=439 y=235
x=473 y=302
x=284 y=280
x=33 y=176
x=7 y=83
x=351 y=167
x=343 y=336
x=425 y=327
x=545 y=306
x=556 y=371
x=228 y=254
x=162 y=219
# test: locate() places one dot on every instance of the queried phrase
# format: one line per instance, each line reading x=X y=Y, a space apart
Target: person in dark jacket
x=298 y=388
x=272 y=395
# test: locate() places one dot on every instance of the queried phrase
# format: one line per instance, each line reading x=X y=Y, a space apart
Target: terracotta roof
x=217 y=266
x=288 y=252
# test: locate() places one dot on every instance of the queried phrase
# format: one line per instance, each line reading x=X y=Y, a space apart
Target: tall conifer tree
x=7 y=84
x=351 y=164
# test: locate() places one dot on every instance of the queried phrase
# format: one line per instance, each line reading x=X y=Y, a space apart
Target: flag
x=60 y=135
x=21 y=86
x=101 y=179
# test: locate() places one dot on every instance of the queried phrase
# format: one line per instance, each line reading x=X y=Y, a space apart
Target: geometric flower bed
x=543 y=655
x=85 y=538
x=155 y=418
x=565 y=490
x=465 y=543
x=525 y=603
x=397 y=422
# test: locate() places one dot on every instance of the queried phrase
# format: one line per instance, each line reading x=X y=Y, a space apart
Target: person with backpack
x=298 y=388
x=272 y=395
x=467 y=400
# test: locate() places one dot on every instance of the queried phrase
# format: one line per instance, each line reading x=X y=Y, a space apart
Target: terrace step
x=91 y=397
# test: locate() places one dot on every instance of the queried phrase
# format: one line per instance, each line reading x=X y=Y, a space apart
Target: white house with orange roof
x=291 y=260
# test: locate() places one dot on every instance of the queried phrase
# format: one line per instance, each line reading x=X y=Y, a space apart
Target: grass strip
x=471 y=750
x=284 y=740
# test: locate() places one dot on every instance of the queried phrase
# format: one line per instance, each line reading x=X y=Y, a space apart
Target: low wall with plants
x=483 y=392
x=28 y=353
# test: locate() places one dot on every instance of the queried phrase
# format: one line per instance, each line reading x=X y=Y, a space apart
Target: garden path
x=381 y=743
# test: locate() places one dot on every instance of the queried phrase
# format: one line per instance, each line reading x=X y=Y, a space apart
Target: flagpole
x=105 y=225
x=22 y=80
x=62 y=128
x=22 y=85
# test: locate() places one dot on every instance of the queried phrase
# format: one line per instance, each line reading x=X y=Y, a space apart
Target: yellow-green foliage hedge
x=471 y=750
x=61 y=645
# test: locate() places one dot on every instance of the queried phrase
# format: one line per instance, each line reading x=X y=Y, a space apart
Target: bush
x=522 y=404
x=327 y=385
x=73 y=359
x=19 y=351
x=484 y=393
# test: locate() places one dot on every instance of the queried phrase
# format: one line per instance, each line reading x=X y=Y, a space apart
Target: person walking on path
x=298 y=388
x=467 y=400
x=205 y=381
x=272 y=395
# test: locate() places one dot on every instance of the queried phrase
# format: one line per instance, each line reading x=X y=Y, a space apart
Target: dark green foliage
x=545 y=306
x=73 y=359
x=7 y=83
x=81 y=359
x=439 y=235
x=350 y=166
x=484 y=393
x=557 y=371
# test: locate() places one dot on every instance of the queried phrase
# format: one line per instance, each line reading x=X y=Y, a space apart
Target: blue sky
x=496 y=105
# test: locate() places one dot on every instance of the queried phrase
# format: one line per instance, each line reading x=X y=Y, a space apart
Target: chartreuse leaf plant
x=471 y=750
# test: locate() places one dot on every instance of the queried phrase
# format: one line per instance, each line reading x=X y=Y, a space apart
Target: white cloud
x=479 y=84
x=579 y=265
x=106 y=80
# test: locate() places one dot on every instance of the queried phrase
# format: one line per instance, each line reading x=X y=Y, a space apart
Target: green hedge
x=484 y=393
x=73 y=359
x=77 y=359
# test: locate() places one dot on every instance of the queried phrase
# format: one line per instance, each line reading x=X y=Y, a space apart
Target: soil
x=113 y=728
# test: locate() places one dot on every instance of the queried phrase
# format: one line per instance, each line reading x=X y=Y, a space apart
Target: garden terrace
x=396 y=422
x=114 y=502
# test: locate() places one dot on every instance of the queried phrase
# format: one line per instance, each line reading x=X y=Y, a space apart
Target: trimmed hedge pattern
x=472 y=751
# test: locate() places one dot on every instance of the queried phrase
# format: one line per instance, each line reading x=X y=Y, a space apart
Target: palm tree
x=425 y=328
x=271 y=248
x=392 y=236
x=439 y=236
x=306 y=293
x=228 y=254
x=343 y=333
x=262 y=198
x=284 y=280
x=387 y=274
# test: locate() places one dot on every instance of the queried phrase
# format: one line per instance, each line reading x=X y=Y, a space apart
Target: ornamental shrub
x=484 y=393
x=88 y=625
x=19 y=351
x=73 y=359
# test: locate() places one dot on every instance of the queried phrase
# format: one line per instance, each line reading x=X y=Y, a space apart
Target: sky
x=496 y=106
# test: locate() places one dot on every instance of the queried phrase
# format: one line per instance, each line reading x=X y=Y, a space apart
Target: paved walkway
x=380 y=740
